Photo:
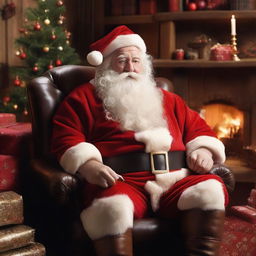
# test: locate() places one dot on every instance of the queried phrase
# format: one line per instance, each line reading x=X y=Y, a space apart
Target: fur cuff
x=108 y=216
x=158 y=139
x=77 y=155
x=206 y=195
x=213 y=144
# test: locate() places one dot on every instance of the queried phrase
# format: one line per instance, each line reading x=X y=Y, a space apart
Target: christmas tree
x=44 y=43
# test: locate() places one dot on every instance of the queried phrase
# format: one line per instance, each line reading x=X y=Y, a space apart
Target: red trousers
x=133 y=186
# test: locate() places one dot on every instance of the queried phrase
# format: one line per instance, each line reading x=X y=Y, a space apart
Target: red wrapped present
x=245 y=212
x=8 y=173
x=7 y=119
x=14 y=138
x=221 y=52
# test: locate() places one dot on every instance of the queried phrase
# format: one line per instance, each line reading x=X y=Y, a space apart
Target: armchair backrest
x=47 y=91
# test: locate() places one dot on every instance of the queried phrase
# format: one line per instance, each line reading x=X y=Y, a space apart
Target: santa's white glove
x=200 y=160
x=99 y=174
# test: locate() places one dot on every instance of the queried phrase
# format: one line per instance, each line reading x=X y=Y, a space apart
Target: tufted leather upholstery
x=59 y=191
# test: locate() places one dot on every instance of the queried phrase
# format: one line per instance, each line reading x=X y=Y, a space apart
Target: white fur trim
x=206 y=195
x=124 y=41
x=108 y=216
x=158 y=139
x=77 y=155
x=213 y=144
x=162 y=183
x=95 y=58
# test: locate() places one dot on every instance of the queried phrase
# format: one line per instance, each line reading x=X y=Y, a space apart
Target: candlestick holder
x=234 y=46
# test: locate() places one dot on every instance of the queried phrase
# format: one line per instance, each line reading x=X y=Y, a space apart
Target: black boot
x=202 y=231
x=116 y=245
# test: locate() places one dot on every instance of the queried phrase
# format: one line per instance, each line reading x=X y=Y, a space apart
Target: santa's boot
x=202 y=231
x=114 y=245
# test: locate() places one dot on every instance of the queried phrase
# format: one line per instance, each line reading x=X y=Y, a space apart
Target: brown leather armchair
x=53 y=196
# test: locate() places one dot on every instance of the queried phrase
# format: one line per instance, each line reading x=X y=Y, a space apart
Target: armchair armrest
x=226 y=175
x=54 y=182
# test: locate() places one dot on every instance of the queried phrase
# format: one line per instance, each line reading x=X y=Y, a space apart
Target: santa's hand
x=99 y=174
x=200 y=160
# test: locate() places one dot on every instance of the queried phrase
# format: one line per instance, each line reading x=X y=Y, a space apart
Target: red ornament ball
x=35 y=68
x=201 y=4
x=17 y=82
x=50 y=66
x=23 y=55
x=58 y=62
x=53 y=36
x=37 y=26
x=59 y=3
x=6 y=99
x=192 y=6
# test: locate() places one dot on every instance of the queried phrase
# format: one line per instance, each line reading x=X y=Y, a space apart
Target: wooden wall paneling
x=3 y=66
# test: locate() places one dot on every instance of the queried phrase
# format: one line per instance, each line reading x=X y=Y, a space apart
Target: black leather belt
x=157 y=162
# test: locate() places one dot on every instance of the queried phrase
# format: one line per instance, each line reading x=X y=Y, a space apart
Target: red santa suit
x=82 y=132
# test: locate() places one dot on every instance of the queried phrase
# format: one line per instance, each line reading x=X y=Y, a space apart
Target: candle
x=233 y=25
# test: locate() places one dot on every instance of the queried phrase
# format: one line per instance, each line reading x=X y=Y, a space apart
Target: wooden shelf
x=166 y=63
x=204 y=15
x=179 y=16
x=132 y=19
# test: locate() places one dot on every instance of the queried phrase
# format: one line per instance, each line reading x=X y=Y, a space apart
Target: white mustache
x=126 y=75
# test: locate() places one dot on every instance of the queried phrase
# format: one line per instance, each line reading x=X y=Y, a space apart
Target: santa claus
x=139 y=149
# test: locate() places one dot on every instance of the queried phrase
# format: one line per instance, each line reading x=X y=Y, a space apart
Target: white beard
x=131 y=99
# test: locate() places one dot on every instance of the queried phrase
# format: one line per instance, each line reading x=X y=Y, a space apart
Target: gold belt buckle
x=153 y=164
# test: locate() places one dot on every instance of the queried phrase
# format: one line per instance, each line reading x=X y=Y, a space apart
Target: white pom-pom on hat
x=95 y=58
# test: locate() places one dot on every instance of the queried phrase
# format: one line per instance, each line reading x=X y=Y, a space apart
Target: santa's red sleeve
x=197 y=133
x=69 y=134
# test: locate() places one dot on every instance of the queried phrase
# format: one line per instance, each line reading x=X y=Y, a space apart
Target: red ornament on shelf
x=17 y=81
x=58 y=62
x=23 y=55
x=192 y=6
x=37 y=26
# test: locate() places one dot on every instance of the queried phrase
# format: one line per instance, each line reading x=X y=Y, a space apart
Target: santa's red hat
x=120 y=37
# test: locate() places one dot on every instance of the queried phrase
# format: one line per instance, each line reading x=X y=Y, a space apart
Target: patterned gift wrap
x=34 y=249
x=7 y=119
x=15 y=237
x=13 y=138
x=11 y=208
x=9 y=173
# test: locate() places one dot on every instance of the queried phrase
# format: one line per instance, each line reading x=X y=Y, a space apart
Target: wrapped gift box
x=14 y=138
x=34 y=249
x=7 y=119
x=16 y=237
x=9 y=173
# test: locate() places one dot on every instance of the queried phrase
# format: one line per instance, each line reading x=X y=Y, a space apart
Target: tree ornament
x=22 y=30
x=35 y=68
x=60 y=22
x=26 y=32
x=6 y=100
x=25 y=112
x=17 y=81
x=60 y=48
x=23 y=84
x=26 y=20
x=53 y=36
x=47 y=22
x=59 y=3
x=17 y=53
x=43 y=1
x=68 y=42
x=58 y=62
x=192 y=6
x=50 y=65
x=23 y=55
x=37 y=26
x=46 y=49
x=15 y=106
x=68 y=34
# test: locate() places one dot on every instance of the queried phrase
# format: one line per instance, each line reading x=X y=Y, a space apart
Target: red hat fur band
x=120 y=37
